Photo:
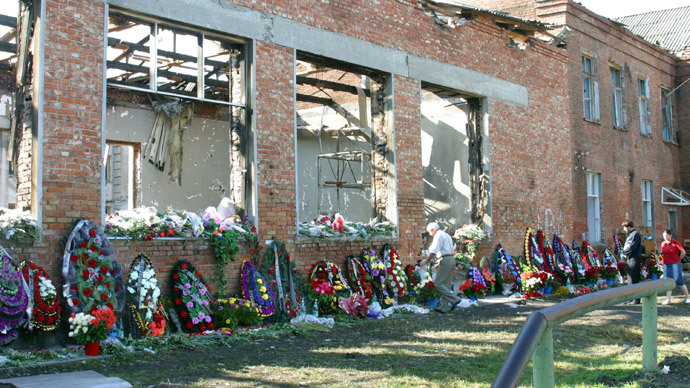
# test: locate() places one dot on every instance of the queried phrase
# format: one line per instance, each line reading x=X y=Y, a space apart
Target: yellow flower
x=227 y=321
x=264 y=297
x=259 y=281
x=262 y=289
x=232 y=300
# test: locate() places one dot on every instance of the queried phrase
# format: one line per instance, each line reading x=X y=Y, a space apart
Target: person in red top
x=672 y=253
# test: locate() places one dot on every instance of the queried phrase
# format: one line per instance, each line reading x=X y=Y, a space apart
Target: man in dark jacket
x=632 y=251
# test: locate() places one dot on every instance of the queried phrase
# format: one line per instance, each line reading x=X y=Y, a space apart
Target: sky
x=617 y=8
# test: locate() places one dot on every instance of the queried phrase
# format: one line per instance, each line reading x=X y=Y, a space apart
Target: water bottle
x=316 y=308
x=303 y=310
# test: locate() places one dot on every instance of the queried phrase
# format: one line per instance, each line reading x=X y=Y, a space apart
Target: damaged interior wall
x=445 y=154
x=205 y=161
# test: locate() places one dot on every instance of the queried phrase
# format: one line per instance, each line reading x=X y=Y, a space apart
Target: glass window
x=617 y=86
x=594 y=206
x=588 y=87
x=667 y=114
x=647 y=203
x=643 y=106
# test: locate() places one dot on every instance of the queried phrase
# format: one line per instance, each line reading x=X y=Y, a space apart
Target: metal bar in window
x=200 y=88
x=122 y=86
x=153 y=61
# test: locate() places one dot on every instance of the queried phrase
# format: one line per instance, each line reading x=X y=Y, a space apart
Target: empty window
x=177 y=133
x=647 y=203
x=667 y=114
x=344 y=142
x=588 y=87
x=643 y=105
x=617 y=85
x=594 y=206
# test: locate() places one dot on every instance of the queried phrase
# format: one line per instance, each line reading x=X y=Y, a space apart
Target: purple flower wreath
x=256 y=289
x=13 y=299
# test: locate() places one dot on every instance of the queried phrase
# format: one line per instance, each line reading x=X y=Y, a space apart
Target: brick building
x=628 y=115
x=422 y=80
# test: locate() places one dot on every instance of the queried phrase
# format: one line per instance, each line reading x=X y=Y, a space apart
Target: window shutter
x=595 y=77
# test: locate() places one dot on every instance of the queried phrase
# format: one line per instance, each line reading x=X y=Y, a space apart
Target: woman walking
x=672 y=253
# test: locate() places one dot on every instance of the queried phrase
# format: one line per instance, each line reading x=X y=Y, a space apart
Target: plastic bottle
x=303 y=310
x=316 y=308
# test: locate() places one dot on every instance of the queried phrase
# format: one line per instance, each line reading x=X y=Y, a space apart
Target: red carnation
x=104 y=269
x=91 y=263
x=84 y=256
x=109 y=305
x=107 y=285
x=171 y=232
x=105 y=296
x=92 y=233
x=74 y=258
x=85 y=274
x=49 y=320
x=74 y=288
x=93 y=248
x=99 y=277
x=190 y=325
x=211 y=325
x=198 y=274
x=184 y=314
x=84 y=245
x=35 y=310
x=75 y=302
x=88 y=292
x=176 y=276
x=162 y=234
x=178 y=301
x=202 y=327
x=42 y=306
x=184 y=266
x=40 y=318
x=32 y=265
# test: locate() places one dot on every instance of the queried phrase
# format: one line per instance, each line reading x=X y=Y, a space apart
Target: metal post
x=649 y=333
x=542 y=361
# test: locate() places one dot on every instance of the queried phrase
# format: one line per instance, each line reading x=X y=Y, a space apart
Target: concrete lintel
x=241 y=21
x=466 y=80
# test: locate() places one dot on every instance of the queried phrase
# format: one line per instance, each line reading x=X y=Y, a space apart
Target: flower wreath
x=326 y=285
x=256 y=289
x=533 y=255
x=609 y=259
x=284 y=278
x=378 y=275
x=93 y=279
x=395 y=274
x=562 y=251
x=414 y=279
x=45 y=314
x=14 y=297
x=359 y=277
x=476 y=277
x=143 y=295
x=579 y=263
x=192 y=299
x=548 y=253
x=513 y=267
x=591 y=255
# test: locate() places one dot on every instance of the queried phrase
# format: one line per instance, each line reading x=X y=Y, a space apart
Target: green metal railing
x=535 y=340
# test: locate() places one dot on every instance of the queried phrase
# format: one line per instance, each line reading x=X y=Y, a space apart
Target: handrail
x=535 y=340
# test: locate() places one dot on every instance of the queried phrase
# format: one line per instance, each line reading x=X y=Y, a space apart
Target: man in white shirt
x=442 y=247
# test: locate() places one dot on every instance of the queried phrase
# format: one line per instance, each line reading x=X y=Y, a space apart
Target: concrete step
x=83 y=379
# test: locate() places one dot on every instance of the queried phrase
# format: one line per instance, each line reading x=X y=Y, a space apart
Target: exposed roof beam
x=164 y=73
x=316 y=100
x=329 y=85
x=8 y=47
x=9 y=21
x=114 y=42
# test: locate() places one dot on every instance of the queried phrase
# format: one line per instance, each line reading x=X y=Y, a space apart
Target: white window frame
x=647 y=190
x=643 y=105
x=588 y=78
x=667 y=114
x=617 y=87
x=594 y=195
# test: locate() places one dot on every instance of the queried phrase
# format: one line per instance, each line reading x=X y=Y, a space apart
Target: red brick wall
x=527 y=144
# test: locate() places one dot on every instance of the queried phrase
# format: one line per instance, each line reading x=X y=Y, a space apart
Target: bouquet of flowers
x=94 y=327
x=622 y=267
x=428 y=292
x=506 y=274
x=234 y=312
x=592 y=275
x=472 y=289
x=325 y=282
x=356 y=305
x=534 y=281
x=654 y=268
x=413 y=279
x=469 y=237
x=16 y=225
x=609 y=273
x=478 y=279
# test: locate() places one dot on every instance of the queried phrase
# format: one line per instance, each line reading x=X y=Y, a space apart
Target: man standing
x=632 y=251
x=442 y=247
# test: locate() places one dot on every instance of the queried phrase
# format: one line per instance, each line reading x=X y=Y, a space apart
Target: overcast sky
x=616 y=8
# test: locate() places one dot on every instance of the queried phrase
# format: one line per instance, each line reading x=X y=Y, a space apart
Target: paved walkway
x=84 y=379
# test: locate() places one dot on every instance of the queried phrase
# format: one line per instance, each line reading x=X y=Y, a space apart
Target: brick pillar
x=275 y=139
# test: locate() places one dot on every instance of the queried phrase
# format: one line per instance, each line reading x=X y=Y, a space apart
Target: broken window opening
x=343 y=140
x=453 y=170
x=177 y=132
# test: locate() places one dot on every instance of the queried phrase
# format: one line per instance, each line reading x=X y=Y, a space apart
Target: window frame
x=647 y=194
x=617 y=95
x=594 y=200
x=643 y=106
x=588 y=75
x=667 y=115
